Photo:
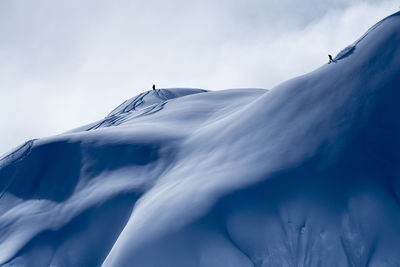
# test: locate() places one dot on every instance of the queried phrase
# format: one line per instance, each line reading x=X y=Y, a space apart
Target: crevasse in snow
x=306 y=174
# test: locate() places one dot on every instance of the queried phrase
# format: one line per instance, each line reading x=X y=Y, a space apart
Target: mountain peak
x=303 y=174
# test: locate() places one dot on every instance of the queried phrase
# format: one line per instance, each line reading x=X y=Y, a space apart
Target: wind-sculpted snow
x=142 y=105
x=306 y=174
x=351 y=48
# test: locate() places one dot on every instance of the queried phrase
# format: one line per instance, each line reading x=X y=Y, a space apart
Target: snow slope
x=306 y=174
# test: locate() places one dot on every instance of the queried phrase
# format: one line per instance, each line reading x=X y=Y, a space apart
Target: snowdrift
x=307 y=174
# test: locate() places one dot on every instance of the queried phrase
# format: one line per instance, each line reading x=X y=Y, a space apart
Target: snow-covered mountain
x=306 y=174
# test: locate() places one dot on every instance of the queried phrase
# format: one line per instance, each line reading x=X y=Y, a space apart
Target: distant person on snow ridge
x=154 y=87
x=330 y=59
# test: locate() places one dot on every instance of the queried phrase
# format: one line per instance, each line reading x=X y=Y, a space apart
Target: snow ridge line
x=135 y=102
x=118 y=119
x=17 y=155
x=347 y=51
x=115 y=119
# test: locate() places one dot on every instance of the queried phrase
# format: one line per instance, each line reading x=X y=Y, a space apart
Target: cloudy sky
x=66 y=63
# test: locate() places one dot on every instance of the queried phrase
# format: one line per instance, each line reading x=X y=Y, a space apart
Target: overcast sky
x=65 y=63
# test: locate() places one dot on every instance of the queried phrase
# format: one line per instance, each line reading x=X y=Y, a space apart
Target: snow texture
x=306 y=174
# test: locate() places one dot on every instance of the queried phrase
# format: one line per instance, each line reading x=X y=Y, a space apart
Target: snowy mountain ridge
x=303 y=175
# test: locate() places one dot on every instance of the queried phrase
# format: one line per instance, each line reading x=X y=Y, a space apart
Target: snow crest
x=306 y=174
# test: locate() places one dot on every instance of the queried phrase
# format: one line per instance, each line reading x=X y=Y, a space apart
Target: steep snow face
x=306 y=174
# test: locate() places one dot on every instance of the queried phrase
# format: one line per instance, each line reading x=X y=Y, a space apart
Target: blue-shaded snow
x=306 y=174
x=349 y=50
x=153 y=97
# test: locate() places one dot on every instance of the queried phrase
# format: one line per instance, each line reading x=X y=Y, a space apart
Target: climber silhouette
x=154 y=87
x=330 y=59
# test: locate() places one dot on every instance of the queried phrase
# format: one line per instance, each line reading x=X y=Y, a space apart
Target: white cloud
x=67 y=63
